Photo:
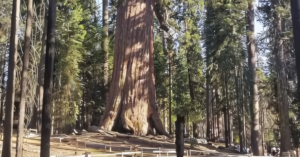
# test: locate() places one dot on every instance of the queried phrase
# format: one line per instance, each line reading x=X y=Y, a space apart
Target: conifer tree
x=24 y=80
x=10 y=93
x=48 y=85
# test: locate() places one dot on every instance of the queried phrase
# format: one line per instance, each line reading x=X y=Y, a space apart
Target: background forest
x=225 y=82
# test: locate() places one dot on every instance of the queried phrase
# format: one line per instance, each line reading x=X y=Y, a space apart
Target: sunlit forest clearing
x=149 y=78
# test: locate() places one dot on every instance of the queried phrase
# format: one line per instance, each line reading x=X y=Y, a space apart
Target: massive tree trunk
x=295 y=9
x=282 y=85
x=10 y=92
x=24 y=79
x=131 y=105
x=48 y=84
x=255 y=130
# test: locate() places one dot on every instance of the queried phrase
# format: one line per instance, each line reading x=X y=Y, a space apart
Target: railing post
x=159 y=151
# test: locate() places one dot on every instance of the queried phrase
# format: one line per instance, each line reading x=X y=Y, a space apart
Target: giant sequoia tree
x=130 y=106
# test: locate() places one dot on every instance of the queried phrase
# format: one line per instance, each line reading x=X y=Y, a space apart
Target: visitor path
x=114 y=144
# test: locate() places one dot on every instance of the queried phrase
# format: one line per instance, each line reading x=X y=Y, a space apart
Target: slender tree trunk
x=105 y=43
x=164 y=115
x=170 y=94
x=255 y=130
x=229 y=126
x=226 y=127
x=10 y=92
x=41 y=70
x=218 y=114
x=83 y=113
x=131 y=106
x=3 y=83
x=2 y=96
x=213 y=121
x=282 y=86
x=24 y=79
x=262 y=131
x=239 y=109
x=218 y=127
x=228 y=110
x=208 y=132
x=48 y=84
x=246 y=102
x=225 y=119
x=166 y=52
x=179 y=136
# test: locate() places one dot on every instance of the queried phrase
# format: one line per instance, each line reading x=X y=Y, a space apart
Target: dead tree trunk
x=10 y=92
x=255 y=130
x=179 y=136
x=24 y=79
x=130 y=106
x=48 y=84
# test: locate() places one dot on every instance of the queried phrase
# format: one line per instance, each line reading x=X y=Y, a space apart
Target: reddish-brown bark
x=130 y=106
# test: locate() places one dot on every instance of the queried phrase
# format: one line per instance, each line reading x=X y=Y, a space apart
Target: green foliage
x=188 y=78
x=70 y=36
x=237 y=139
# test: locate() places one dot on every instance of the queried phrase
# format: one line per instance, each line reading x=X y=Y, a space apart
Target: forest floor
x=96 y=143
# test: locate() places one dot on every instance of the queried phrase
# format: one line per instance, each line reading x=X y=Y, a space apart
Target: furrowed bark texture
x=282 y=86
x=255 y=130
x=48 y=84
x=24 y=80
x=295 y=9
x=130 y=106
x=10 y=93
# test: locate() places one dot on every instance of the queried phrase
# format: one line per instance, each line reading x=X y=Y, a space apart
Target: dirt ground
x=96 y=143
